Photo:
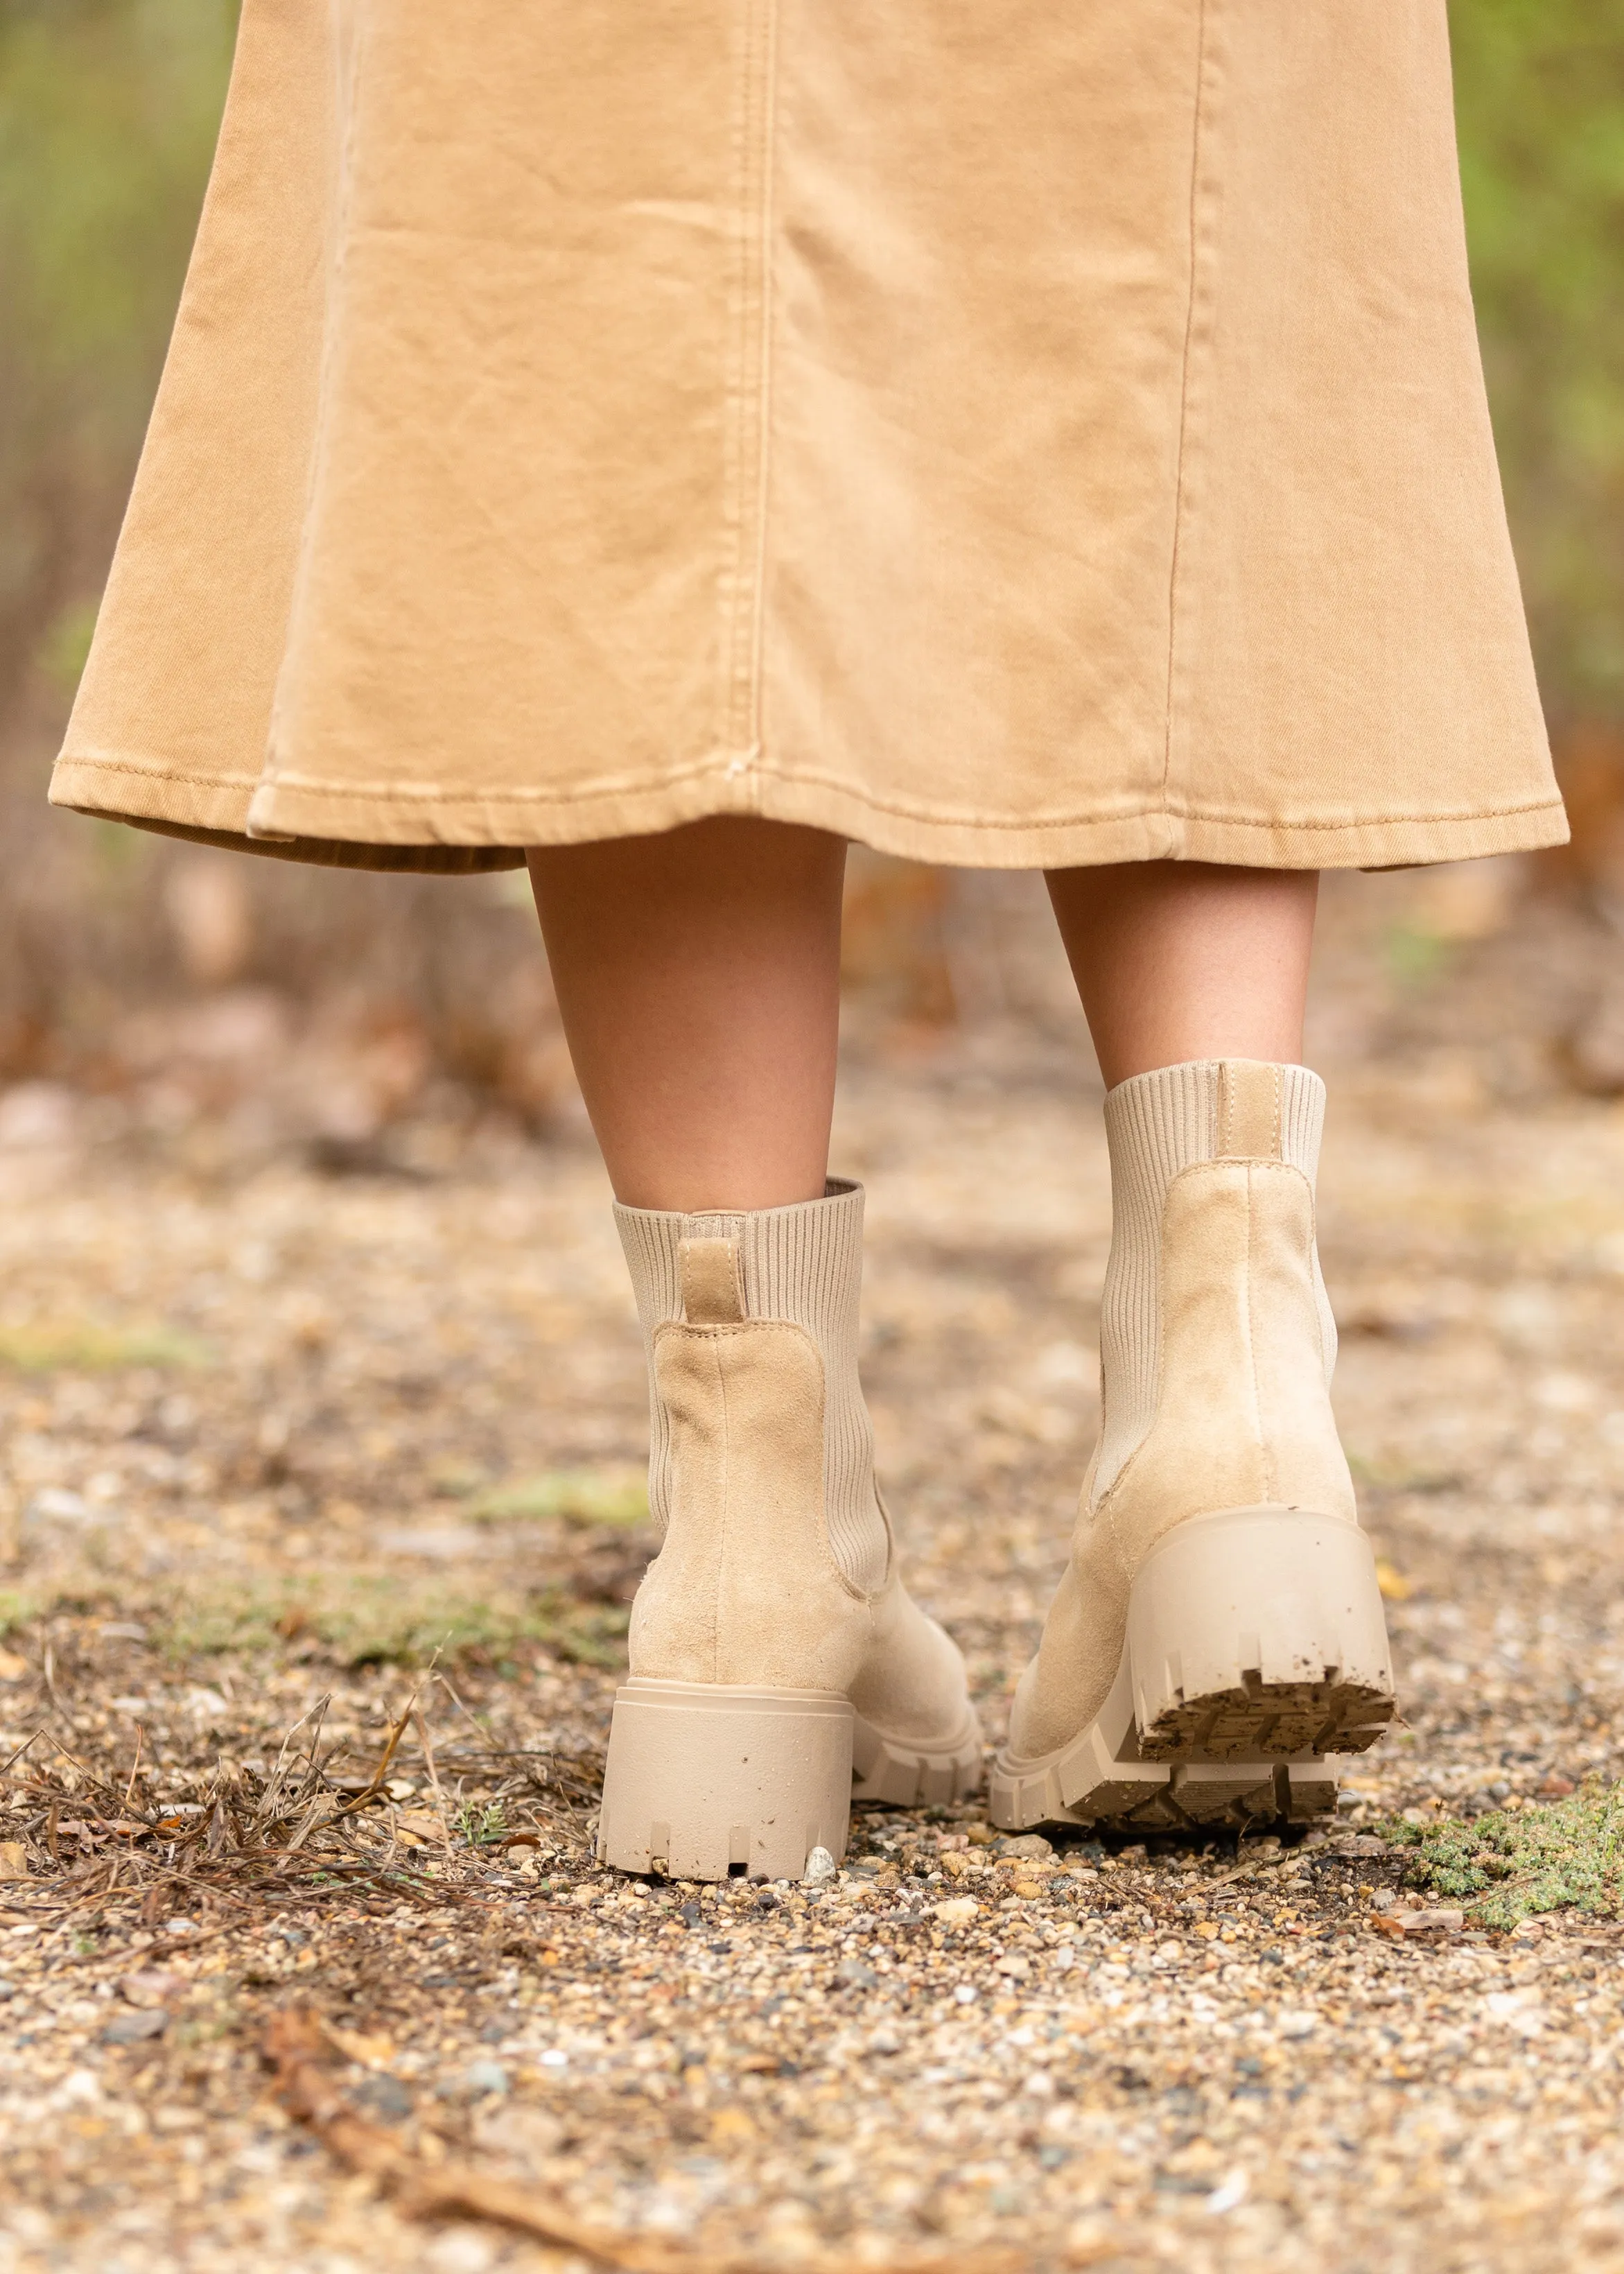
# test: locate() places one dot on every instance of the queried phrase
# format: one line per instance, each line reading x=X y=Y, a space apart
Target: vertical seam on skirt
x=735 y=357
x=748 y=444
x=348 y=74
x=769 y=171
x=1184 y=599
x=1176 y=563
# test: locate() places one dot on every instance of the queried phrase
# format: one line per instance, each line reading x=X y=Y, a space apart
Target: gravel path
x=271 y=1436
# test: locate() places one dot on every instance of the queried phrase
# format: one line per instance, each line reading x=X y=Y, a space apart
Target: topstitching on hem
x=155 y=770
x=932 y=816
x=935 y=817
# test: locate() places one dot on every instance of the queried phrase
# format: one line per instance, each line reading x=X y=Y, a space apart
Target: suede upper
x=802 y=1263
x=1239 y=1412
x=747 y=1589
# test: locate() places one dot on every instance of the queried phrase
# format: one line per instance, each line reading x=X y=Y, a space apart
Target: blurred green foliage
x=1539 y=95
x=107 y=115
x=107 y=111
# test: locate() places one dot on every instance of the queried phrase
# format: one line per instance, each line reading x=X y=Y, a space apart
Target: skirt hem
x=460 y=834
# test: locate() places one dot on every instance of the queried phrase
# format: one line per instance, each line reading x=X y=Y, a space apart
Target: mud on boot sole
x=1256 y=1645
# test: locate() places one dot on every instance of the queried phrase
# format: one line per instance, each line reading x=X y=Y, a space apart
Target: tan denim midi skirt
x=1026 y=435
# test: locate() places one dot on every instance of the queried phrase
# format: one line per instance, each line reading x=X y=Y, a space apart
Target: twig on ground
x=396 y=1731
x=300 y=2050
x=484 y=1735
x=135 y=1771
x=11 y=1759
x=314 y=1769
x=272 y=1794
x=429 y=1764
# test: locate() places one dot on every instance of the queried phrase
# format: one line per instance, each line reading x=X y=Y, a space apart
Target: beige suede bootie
x=778 y=1668
x=1219 y=1629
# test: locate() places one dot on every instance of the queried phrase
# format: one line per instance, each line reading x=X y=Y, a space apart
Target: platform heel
x=778 y=1664
x=1217 y=1638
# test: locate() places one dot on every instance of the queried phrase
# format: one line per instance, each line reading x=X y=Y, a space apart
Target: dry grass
x=99 y=1851
x=400 y=1415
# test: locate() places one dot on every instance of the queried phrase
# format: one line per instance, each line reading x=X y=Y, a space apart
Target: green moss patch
x=616 y=1498
x=362 y=1619
x=81 y=1346
x=1515 y=1862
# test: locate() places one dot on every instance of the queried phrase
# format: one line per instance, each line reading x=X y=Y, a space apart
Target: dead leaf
x=419 y=1823
x=1404 y=1924
x=1395 y=1586
x=13 y=1860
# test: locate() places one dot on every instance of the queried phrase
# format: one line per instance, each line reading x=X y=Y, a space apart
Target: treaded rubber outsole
x=1255 y=1645
x=908 y=1776
x=1181 y=1796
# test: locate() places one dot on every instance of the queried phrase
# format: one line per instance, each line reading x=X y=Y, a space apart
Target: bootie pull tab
x=1249 y=1110
x=712 y=1288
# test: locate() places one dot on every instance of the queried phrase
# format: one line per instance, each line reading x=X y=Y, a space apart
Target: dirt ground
x=321 y=1511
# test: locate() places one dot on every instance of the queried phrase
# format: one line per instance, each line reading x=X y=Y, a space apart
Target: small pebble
x=462 y=2250
x=1028 y=1843
x=134 y=2029
x=149 y=1987
x=383 y=2096
x=821 y=1865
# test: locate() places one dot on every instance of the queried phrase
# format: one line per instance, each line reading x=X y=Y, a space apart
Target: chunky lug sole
x=707 y=1781
x=1256 y=1645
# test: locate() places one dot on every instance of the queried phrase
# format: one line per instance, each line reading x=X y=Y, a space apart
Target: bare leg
x=698 y=974
x=1181 y=960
